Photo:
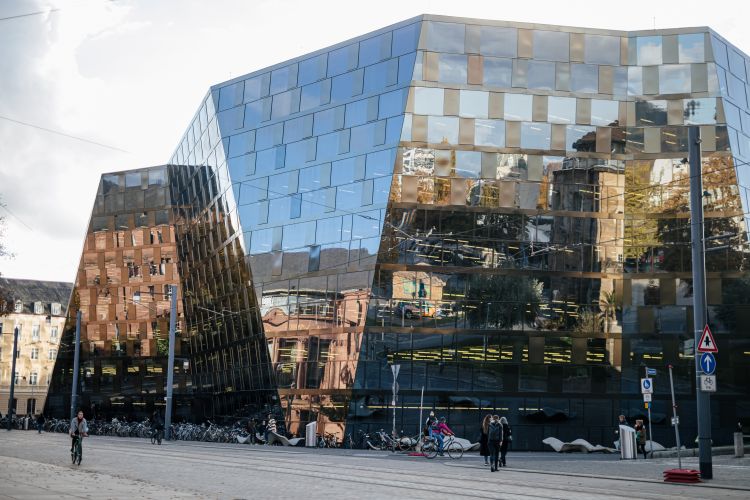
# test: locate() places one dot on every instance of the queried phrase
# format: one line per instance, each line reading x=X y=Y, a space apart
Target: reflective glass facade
x=122 y=289
x=499 y=208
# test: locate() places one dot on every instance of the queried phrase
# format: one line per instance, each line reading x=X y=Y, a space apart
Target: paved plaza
x=38 y=466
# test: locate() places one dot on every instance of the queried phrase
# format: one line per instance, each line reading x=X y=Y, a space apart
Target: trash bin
x=311 y=434
x=739 y=445
x=26 y=423
x=628 y=448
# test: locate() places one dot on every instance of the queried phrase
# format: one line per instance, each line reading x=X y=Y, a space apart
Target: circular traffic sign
x=708 y=363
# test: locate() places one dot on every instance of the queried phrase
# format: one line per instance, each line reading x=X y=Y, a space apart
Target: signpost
x=394 y=369
x=647 y=401
x=708 y=383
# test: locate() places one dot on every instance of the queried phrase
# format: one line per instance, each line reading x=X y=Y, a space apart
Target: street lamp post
x=76 y=366
x=11 y=409
x=170 y=364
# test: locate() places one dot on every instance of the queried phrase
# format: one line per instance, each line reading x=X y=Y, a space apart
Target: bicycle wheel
x=430 y=449
x=159 y=437
x=455 y=450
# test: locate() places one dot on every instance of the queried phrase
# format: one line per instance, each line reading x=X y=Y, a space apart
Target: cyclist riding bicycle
x=157 y=424
x=78 y=429
x=438 y=430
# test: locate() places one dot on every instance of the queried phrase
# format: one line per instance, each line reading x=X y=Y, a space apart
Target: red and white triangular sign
x=707 y=342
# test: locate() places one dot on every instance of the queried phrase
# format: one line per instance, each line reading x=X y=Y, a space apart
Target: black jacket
x=495 y=432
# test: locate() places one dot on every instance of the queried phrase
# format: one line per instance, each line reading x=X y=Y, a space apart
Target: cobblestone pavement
x=38 y=466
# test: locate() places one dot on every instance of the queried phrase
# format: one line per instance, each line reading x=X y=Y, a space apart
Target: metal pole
x=676 y=421
x=11 y=409
x=170 y=364
x=421 y=405
x=76 y=367
x=702 y=399
x=650 y=435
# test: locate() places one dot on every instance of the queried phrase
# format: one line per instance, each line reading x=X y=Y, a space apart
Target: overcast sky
x=129 y=74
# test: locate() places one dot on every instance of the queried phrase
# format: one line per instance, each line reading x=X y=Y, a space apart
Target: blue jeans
x=439 y=437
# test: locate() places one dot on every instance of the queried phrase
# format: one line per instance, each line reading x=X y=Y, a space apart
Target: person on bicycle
x=78 y=429
x=157 y=423
x=441 y=430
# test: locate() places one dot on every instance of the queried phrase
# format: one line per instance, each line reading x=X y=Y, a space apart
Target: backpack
x=494 y=432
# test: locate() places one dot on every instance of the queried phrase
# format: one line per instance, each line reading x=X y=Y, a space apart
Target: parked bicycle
x=327 y=440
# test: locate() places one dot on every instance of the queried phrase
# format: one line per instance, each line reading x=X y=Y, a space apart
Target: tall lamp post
x=11 y=409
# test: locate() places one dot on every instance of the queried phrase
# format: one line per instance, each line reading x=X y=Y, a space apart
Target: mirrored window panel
x=452 y=68
x=580 y=138
x=473 y=104
x=648 y=50
x=604 y=113
x=691 y=48
x=540 y=75
x=442 y=129
x=428 y=101
x=584 y=78
x=498 y=72
x=489 y=133
x=674 y=79
x=518 y=107
x=444 y=37
x=535 y=135
x=551 y=45
x=651 y=113
x=561 y=109
x=601 y=49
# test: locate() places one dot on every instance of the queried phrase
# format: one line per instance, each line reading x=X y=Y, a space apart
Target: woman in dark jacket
x=507 y=438
x=484 y=449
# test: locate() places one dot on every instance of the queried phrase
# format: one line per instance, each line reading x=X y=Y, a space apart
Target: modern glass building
x=499 y=208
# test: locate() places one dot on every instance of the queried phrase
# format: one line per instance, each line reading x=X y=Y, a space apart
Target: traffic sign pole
x=650 y=435
x=675 y=420
x=703 y=401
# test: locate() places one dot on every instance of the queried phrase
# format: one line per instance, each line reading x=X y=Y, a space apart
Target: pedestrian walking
x=494 y=441
x=40 y=422
x=640 y=437
x=250 y=427
x=507 y=439
x=270 y=427
x=484 y=449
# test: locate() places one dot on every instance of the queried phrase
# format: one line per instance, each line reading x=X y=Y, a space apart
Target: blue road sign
x=708 y=363
x=650 y=371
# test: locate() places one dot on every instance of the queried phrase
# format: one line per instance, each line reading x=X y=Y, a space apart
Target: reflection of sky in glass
x=648 y=50
x=452 y=68
x=518 y=107
x=584 y=78
x=445 y=37
x=489 y=133
x=691 y=48
x=468 y=164
x=473 y=104
x=699 y=111
x=442 y=129
x=600 y=49
x=604 y=113
x=551 y=45
x=635 y=80
x=561 y=109
x=535 y=135
x=428 y=101
x=674 y=79
x=541 y=75
x=495 y=41
x=497 y=72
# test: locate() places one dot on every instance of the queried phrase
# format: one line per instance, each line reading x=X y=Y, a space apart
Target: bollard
x=739 y=445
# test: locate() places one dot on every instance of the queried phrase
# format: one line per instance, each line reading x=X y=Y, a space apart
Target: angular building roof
x=30 y=291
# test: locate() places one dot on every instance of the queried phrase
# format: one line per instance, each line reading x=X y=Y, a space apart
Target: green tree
x=503 y=301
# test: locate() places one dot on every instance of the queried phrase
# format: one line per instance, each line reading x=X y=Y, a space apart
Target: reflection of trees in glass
x=608 y=308
x=735 y=292
x=503 y=301
x=589 y=322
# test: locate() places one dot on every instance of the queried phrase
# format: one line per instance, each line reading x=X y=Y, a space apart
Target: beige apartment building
x=39 y=309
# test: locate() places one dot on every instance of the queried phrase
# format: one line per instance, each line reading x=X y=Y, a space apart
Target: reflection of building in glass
x=122 y=289
x=501 y=208
x=38 y=310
